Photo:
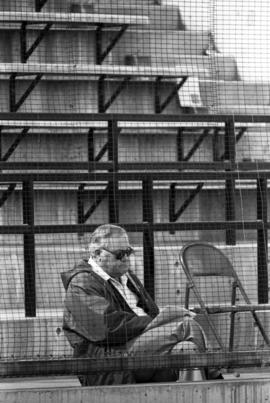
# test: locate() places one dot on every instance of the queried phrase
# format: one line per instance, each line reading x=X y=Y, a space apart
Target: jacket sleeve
x=96 y=318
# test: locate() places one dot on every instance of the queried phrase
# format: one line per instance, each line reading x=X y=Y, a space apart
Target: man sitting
x=107 y=311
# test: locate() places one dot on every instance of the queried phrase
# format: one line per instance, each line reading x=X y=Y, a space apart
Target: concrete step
x=242 y=93
x=220 y=67
x=161 y=17
x=78 y=46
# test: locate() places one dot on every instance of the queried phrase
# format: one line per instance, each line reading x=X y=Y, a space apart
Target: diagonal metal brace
x=99 y=198
x=26 y=53
x=197 y=144
x=14 y=104
x=118 y=91
x=15 y=144
x=161 y=106
x=82 y=217
x=173 y=216
x=39 y=4
x=7 y=193
x=102 y=104
x=100 y=53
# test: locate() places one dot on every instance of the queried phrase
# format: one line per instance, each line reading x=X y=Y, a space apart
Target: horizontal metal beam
x=134 y=227
x=234 y=359
x=213 y=309
x=90 y=117
x=73 y=177
x=133 y=166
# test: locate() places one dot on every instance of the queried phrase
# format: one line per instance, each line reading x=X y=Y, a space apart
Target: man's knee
x=185 y=346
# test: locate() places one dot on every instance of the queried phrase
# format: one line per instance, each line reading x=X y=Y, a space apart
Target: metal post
x=172 y=190
x=29 y=250
x=101 y=94
x=157 y=95
x=90 y=145
x=262 y=241
x=229 y=155
x=180 y=144
x=148 y=237
x=12 y=92
x=113 y=192
x=99 y=44
x=23 y=40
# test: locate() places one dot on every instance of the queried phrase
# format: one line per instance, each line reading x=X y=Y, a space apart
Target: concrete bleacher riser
x=234 y=93
x=81 y=96
x=79 y=45
x=220 y=67
x=59 y=95
x=229 y=391
x=162 y=17
x=135 y=146
x=62 y=207
x=66 y=5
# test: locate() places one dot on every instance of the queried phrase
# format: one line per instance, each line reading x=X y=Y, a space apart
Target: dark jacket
x=97 y=319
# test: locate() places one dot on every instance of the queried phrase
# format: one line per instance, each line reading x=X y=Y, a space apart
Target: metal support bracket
x=15 y=144
x=103 y=105
x=262 y=240
x=111 y=191
x=82 y=216
x=113 y=186
x=39 y=4
x=118 y=90
x=148 y=236
x=196 y=145
x=230 y=154
x=100 y=196
x=26 y=53
x=8 y=192
x=14 y=104
x=100 y=53
x=174 y=215
x=160 y=106
x=29 y=249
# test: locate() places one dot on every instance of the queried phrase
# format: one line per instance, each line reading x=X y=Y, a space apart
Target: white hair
x=102 y=234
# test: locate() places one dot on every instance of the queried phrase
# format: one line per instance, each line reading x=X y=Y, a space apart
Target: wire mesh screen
x=150 y=116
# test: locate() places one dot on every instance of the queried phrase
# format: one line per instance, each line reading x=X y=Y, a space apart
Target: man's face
x=108 y=261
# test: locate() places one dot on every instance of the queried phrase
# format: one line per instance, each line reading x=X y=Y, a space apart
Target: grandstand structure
x=113 y=111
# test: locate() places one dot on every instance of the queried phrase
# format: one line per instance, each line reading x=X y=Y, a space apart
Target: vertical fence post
x=29 y=250
x=80 y=192
x=262 y=241
x=229 y=154
x=113 y=191
x=148 y=236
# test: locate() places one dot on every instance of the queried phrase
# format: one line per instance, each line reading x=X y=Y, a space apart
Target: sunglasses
x=119 y=254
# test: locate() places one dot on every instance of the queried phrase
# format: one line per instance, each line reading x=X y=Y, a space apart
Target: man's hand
x=176 y=312
x=170 y=313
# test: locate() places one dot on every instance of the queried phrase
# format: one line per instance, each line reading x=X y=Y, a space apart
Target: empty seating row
x=127 y=89
x=145 y=45
x=67 y=5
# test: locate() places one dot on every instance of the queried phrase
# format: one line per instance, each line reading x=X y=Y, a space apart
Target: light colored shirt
x=129 y=296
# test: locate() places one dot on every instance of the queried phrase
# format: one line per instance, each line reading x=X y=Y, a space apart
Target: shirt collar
x=105 y=276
